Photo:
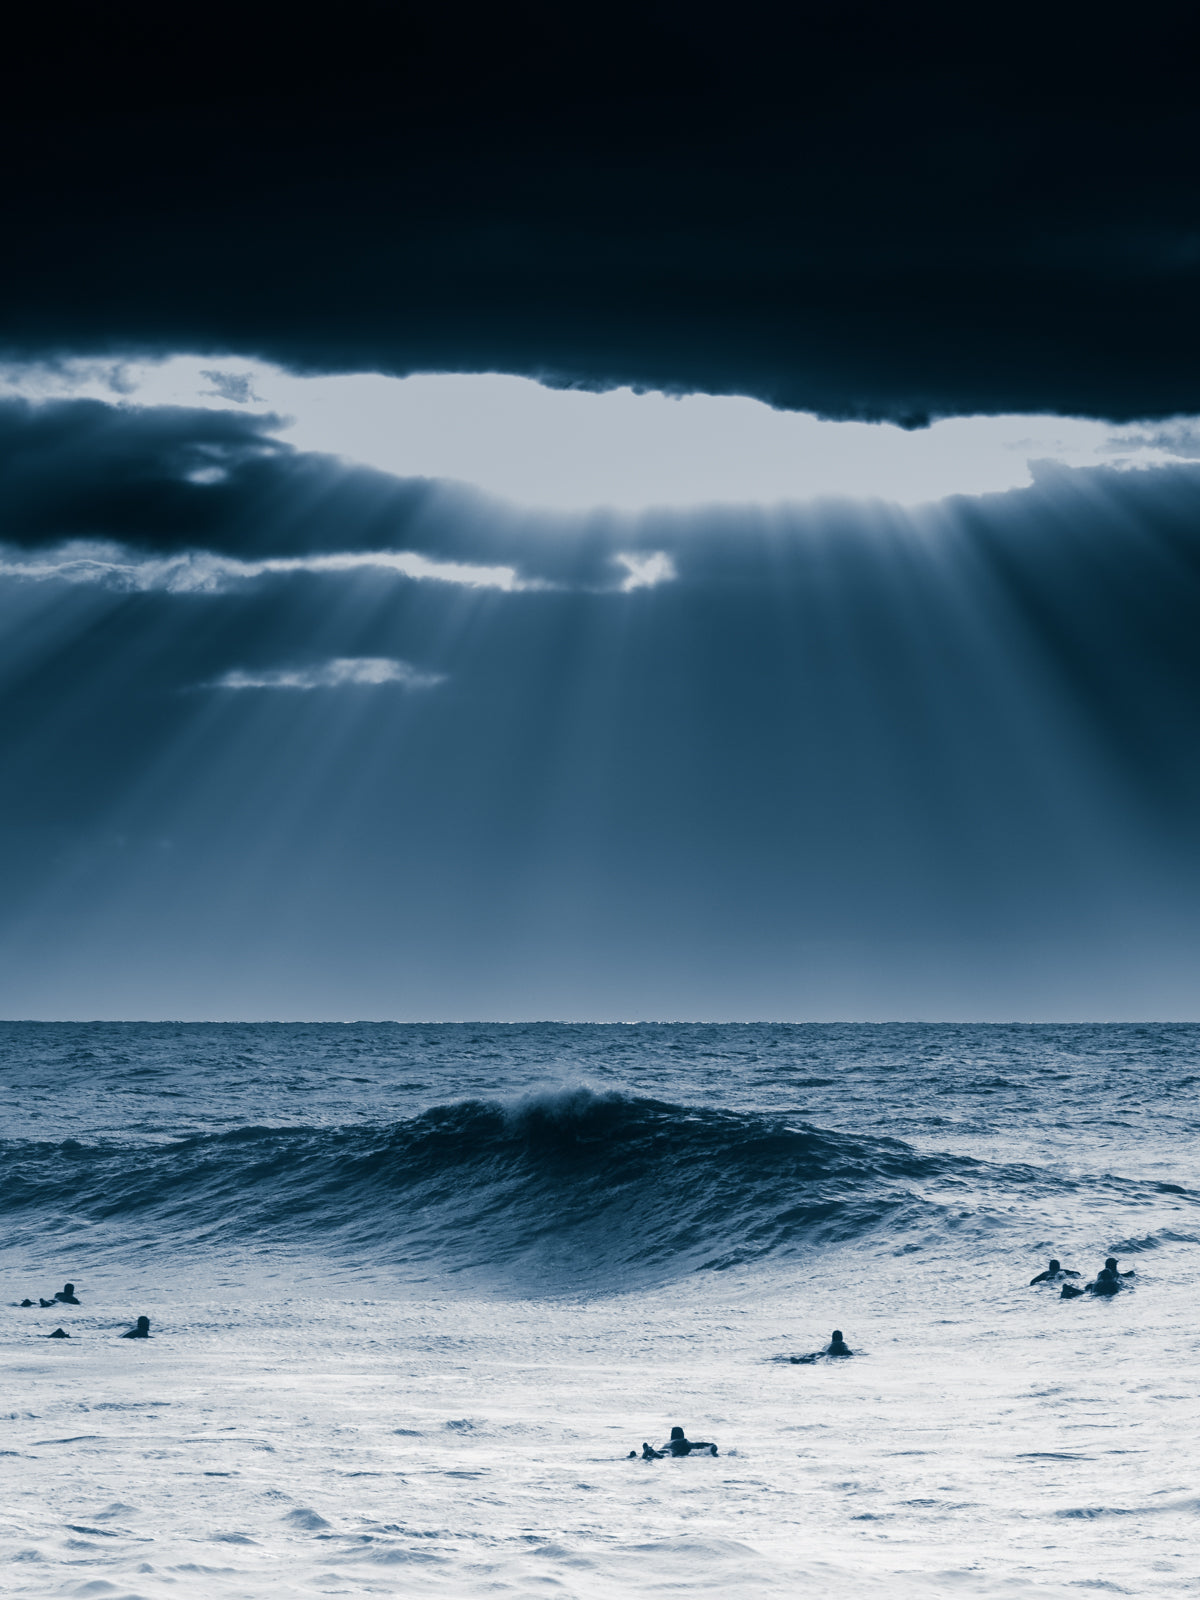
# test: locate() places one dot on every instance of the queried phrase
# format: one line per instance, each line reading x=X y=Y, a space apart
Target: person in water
x=679 y=1445
x=1053 y=1273
x=837 y=1346
x=59 y=1333
x=1111 y=1261
x=140 y=1329
x=67 y=1295
x=1107 y=1282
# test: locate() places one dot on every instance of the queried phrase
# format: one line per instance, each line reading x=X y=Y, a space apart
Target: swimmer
x=678 y=1445
x=67 y=1295
x=649 y=1453
x=140 y=1330
x=59 y=1333
x=1111 y=1261
x=1053 y=1273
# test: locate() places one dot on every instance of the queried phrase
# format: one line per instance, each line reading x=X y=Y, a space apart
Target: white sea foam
x=274 y=1433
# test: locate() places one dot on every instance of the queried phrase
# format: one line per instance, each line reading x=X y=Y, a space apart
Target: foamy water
x=379 y=1367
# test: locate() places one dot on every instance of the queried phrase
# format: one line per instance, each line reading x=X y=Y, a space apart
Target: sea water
x=416 y=1292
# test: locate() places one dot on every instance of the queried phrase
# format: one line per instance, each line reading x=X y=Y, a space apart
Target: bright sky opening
x=576 y=450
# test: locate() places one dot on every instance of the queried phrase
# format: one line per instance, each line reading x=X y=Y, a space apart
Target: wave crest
x=560 y=1191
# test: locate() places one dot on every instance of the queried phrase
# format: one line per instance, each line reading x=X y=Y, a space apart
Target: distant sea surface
x=416 y=1291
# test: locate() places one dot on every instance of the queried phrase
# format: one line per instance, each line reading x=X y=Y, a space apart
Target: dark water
x=551 y=1157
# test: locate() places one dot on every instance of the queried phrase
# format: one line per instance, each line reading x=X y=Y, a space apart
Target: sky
x=702 y=531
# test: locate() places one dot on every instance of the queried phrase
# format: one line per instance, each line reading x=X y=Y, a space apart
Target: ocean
x=416 y=1292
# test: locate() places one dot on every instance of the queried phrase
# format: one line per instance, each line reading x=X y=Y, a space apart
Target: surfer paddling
x=836 y=1348
x=1053 y=1273
x=140 y=1329
x=64 y=1297
x=1106 y=1283
x=677 y=1445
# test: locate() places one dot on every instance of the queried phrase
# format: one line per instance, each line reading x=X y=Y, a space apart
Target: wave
x=560 y=1191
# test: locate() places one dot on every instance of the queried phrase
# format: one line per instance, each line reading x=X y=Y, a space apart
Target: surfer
x=679 y=1445
x=140 y=1329
x=1106 y=1282
x=837 y=1346
x=1111 y=1261
x=26 y=1302
x=66 y=1295
x=59 y=1333
x=649 y=1453
x=1053 y=1273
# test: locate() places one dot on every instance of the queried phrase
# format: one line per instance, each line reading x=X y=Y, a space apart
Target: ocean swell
x=561 y=1191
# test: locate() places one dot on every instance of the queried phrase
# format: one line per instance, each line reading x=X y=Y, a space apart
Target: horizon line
x=609 y=1022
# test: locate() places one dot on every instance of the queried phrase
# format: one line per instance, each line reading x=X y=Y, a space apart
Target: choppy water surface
x=417 y=1290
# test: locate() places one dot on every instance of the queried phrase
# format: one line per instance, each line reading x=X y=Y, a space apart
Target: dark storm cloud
x=864 y=209
x=167 y=479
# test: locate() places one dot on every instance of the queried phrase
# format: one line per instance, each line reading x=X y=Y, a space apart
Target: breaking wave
x=558 y=1192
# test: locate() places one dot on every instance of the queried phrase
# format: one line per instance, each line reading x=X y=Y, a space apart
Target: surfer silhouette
x=67 y=1295
x=837 y=1346
x=679 y=1445
x=1106 y=1282
x=1111 y=1261
x=140 y=1329
x=1053 y=1273
x=59 y=1333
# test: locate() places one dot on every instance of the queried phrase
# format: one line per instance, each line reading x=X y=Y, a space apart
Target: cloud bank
x=856 y=210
